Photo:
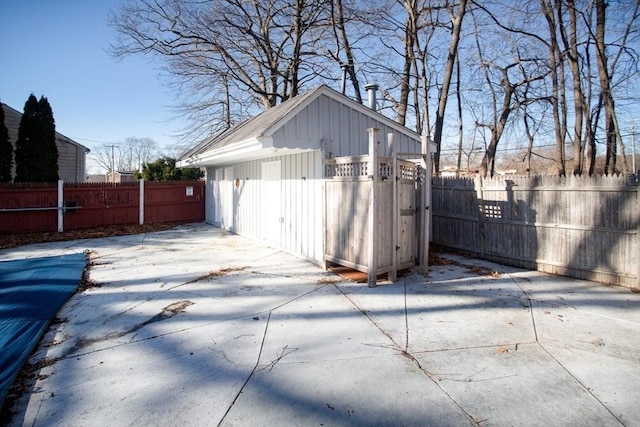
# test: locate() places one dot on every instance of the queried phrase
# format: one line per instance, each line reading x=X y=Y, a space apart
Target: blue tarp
x=31 y=293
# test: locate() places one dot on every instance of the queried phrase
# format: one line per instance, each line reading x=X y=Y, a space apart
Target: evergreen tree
x=36 y=150
x=164 y=169
x=6 y=151
x=50 y=158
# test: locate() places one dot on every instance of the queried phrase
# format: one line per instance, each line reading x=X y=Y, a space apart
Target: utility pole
x=113 y=163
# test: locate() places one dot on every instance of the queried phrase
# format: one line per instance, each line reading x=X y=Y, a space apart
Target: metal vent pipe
x=371 y=89
x=343 y=86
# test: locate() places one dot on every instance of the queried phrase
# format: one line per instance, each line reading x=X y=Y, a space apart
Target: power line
x=95 y=140
x=504 y=149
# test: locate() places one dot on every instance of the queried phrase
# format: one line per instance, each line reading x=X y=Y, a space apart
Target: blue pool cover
x=31 y=293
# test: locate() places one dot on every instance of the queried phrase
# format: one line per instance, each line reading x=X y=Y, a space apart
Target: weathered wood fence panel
x=35 y=207
x=370 y=214
x=347 y=244
x=584 y=227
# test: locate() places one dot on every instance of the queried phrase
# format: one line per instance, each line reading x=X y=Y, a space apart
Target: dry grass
x=20 y=239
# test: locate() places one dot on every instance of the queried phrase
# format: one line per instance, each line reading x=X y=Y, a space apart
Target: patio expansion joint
x=530 y=301
x=403 y=352
x=253 y=371
x=257 y=366
x=86 y=342
x=584 y=387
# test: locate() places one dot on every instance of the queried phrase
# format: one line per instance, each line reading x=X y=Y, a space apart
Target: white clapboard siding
x=300 y=205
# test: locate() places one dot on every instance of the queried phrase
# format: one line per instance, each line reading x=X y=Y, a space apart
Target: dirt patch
x=216 y=273
x=21 y=239
x=22 y=384
x=328 y=281
x=436 y=259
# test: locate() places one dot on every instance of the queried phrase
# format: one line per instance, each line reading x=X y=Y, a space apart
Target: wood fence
x=37 y=207
x=371 y=210
x=583 y=227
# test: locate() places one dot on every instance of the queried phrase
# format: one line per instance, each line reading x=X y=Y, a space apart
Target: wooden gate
x=370 y=213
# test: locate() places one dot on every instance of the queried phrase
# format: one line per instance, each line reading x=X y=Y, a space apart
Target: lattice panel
x=357 y=167
x=386 y=169
x=408 y=171
x=350 y=169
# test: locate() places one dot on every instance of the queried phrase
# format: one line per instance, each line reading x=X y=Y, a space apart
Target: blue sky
x=57 y=48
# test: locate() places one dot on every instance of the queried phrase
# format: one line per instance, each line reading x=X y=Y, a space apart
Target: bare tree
x=557 y=81
x=411 y=64
x=460 y=119
x=226 y=55
x=501 y=113
x=457 y=15
x=126 y=156
x=229 y=59
x=510 y=86
x=343 y=43
x=570 y=43
x=605 y=73
x=410 y=36
x=425 y=56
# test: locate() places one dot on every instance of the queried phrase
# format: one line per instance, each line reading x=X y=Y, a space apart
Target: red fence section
x=167 y=202
x=34 y=207
x=36 y=197
x=92 y=206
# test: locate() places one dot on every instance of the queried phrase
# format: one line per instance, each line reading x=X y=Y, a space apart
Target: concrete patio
x=196 y=326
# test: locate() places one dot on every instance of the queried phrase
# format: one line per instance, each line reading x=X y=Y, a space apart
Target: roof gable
x=257 y=131
x=253 y=127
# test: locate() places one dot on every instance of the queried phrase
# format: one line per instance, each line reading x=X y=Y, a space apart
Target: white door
x=226 y=199
x=271 y=209
x=210 y=200
x=217 y=199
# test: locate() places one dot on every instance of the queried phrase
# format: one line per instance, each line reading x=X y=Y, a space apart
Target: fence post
x=395 y=214
x=60 y=205
x=374 y=167
x=141 y=202
x=479 y=183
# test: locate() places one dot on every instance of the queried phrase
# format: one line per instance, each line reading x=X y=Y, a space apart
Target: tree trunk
x=605 y=89
x=448 y=72
x=338 y=12
x=555 y=98
x=571 y=46
x=409 y=45
x=460 y=123
x=488 y=161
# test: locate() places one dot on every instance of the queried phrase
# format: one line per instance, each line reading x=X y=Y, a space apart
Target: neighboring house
x=72 y=157
x=118 y=177
x=265 y=175
x=96 y=177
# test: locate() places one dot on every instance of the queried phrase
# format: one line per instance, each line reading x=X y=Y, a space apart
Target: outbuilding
x=265 y=176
